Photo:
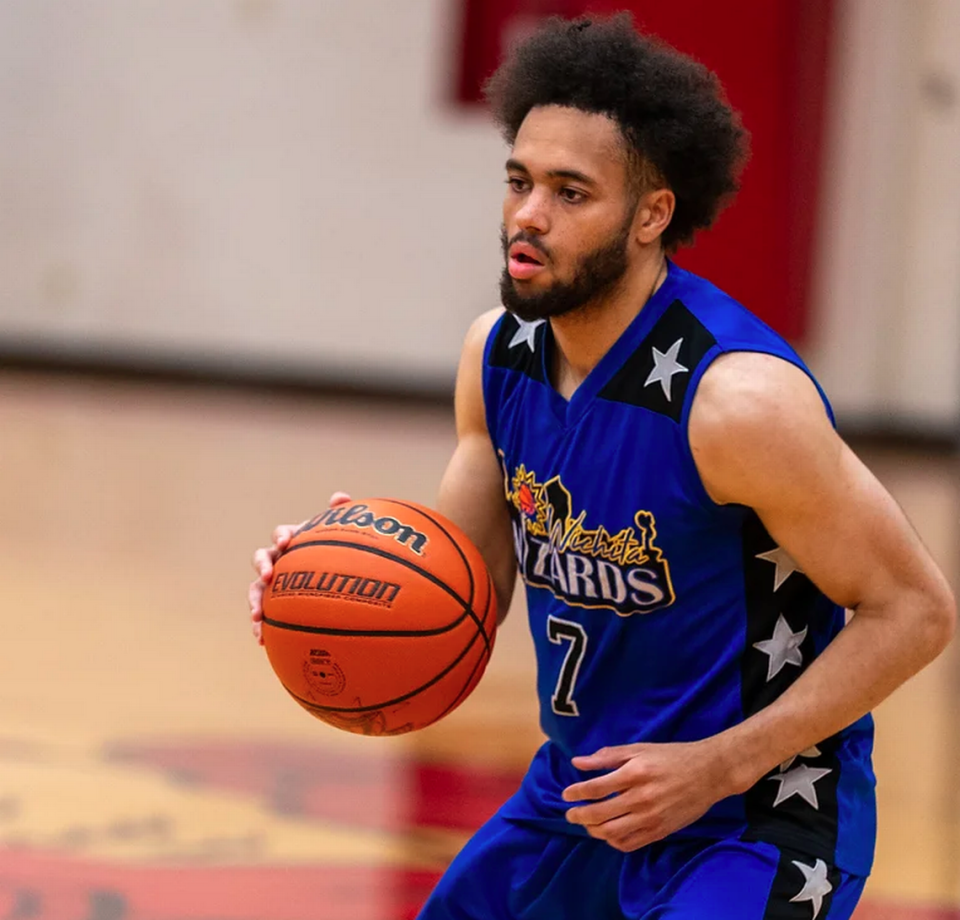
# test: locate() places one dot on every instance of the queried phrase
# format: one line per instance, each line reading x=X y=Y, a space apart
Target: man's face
x=567 y=214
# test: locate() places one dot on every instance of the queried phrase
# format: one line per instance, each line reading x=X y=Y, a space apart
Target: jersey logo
x=584 y=566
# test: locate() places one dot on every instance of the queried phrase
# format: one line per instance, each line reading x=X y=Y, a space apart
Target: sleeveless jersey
x=657 y=614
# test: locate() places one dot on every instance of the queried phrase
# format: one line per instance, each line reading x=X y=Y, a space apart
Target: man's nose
x=533 y=216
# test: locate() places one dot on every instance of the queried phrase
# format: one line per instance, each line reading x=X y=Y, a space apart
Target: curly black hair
x=671 y=110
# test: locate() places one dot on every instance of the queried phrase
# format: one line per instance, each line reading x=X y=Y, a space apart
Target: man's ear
x=654 y=213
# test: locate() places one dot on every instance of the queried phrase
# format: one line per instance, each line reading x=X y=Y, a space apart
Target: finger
x=608 y=758
x=283 y=534
x=639 y=838
x=598 y=788
x=616 y=831
x=339 y=498
x=255 y=597
x=263 y=563
x=626 y=833
x=600 y=812
x=258 y=633
x=632 y=842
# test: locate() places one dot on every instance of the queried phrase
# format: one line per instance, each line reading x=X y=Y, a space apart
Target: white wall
x=886 y=341
x=271 y=181
x=281 y=184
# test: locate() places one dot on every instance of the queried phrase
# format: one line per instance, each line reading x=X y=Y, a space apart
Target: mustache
x=522 y=237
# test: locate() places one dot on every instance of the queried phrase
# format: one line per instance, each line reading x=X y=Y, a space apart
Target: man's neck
x=584 y=336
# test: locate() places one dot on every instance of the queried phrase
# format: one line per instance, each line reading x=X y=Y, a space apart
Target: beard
x=596 y=274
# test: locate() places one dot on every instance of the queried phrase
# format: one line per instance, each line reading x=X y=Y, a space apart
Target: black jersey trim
x=511 y=347
x=637 y=382
x=778 y=812
x=796 y=803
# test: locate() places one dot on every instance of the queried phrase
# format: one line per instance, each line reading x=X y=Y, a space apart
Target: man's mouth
x=524 y=261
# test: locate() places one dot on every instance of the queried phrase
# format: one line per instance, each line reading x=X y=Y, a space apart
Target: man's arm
x=761 y=438
x=471 y=491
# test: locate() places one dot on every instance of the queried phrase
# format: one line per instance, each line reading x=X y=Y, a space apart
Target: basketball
x=380 y=617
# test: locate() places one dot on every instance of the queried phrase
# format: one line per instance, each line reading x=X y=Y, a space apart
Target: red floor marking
x=296 y=780
x=45 y=886
x=51 y=887
x=309 y=782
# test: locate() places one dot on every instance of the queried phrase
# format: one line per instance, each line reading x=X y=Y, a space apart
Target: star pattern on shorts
x=816 y=885
x=809 y=753
x=783 y=647
x=799 y=781
x=526 y=333
x=665 y=365
x=784 y=563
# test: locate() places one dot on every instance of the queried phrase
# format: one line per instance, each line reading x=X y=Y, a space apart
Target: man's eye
x=518 y=185
x=572 y=195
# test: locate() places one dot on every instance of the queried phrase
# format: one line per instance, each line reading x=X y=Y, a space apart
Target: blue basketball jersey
x=657 y=614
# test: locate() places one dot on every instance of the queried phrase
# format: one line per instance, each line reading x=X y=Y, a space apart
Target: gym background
x=240 y=244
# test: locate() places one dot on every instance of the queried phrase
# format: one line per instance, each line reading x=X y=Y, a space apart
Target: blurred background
x=240 y=244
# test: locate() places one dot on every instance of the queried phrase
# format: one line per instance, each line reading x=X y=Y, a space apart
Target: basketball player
x=664 y=472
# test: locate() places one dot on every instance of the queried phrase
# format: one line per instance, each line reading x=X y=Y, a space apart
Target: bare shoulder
x=479 y=330
x=746 y=387
x=469 y=392
x=755 y=415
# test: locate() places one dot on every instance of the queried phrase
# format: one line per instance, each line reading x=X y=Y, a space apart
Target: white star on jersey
x=783 y=648
x=799 y=781
x=665 y=366
x=816 y=886
x=526 y=333
x=809 y=753
x=785 y=565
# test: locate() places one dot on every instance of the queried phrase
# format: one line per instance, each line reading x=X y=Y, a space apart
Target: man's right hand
x=264 y=559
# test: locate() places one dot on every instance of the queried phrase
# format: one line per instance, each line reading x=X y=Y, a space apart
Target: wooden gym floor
x=151 y=767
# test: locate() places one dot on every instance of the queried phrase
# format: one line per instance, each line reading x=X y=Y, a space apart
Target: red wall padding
x=772 y=59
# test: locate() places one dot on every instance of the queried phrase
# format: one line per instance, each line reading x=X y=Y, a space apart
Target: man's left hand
x=651 y=791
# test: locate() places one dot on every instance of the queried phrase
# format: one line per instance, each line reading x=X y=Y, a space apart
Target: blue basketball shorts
x=511 y=871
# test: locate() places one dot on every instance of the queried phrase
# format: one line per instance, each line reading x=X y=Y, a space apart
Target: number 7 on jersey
x=559 y=631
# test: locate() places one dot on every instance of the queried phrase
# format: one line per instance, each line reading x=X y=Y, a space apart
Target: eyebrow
x=553 y=173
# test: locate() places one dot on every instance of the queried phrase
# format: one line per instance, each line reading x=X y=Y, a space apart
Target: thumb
x=608 y=758
x=339 y=498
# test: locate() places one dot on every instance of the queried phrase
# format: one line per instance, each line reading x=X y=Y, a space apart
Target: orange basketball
x=380 y=617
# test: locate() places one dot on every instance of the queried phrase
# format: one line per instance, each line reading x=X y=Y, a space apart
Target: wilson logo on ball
x=361 y=516
x=358 y=587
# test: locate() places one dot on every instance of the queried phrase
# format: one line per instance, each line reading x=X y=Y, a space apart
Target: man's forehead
x=559 y=138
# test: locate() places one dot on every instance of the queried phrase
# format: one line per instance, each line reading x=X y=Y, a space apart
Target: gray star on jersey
x=785 y=565
x=783 y=648
x=816 y=885
x=665 y=365
x=809 y=753
x=799 y=781
x=526 y=332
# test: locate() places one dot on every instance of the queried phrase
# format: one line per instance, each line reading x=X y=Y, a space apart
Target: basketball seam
x=459 y=698
x=404 y=562
x=334 y=631
x=448 y=535
x=482 y=624
x=400 y=699
x=466 y=564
